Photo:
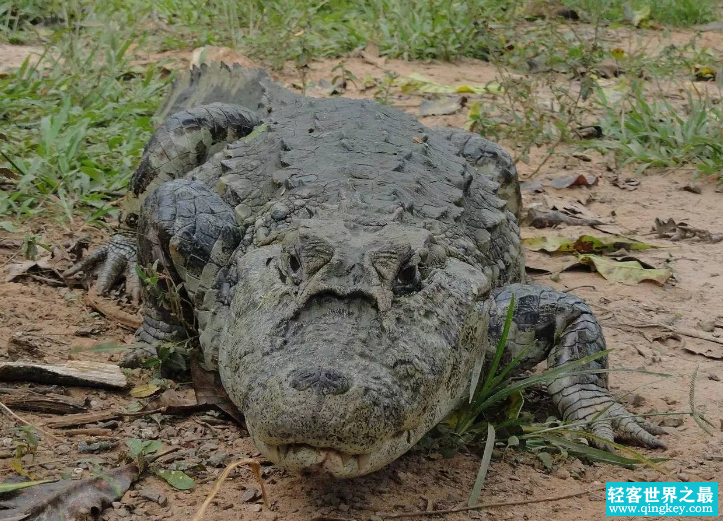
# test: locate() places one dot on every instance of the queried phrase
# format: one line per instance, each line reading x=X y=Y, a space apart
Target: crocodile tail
x=220 y=83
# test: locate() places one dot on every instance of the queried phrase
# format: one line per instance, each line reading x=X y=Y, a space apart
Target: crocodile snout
x=319 y=380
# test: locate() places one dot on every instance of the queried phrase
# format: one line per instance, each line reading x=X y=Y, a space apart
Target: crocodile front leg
x=561 y=327
x=186 y=233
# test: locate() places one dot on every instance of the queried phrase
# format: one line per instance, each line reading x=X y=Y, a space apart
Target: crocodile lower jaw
x=308 y=459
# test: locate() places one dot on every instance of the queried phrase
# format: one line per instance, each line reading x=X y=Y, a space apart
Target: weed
x=651 y=132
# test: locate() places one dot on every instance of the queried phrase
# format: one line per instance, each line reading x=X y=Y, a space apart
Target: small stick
x=14 y=416
x=113 y=312
x=255 y=466
x=88 y=432
x=489 y=505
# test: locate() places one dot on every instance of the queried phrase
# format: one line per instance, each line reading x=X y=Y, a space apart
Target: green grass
x=73 y=127
x=648 y=131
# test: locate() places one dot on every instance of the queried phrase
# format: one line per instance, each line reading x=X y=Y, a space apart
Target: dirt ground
x=639 y=322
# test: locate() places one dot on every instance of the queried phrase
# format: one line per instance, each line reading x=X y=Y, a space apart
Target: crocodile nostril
x=324 y=381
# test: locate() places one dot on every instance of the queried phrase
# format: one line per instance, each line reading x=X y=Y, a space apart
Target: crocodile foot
x=111 y=262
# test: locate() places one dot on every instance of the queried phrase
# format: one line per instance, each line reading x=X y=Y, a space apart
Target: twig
x=112 y=311
x=255 y=466
x=488 y=505
x=17 y=418
x=578 y=287
x=684 y=332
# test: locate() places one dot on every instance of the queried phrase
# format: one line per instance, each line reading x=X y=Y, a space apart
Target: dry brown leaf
x=209 y=391
x=576 y=180
x=69 y=499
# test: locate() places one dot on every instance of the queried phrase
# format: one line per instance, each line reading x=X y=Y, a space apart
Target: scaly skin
x=347 y=268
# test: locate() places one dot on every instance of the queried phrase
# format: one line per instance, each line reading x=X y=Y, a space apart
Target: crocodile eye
x=407 y=279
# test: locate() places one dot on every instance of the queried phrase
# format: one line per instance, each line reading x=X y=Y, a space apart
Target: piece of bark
x=74 y=372
x=74 y=420
x=49 y=403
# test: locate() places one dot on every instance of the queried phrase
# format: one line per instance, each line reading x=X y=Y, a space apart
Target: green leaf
x=546 y=459
x=626 y=272
x=144 y=390
x=12 y=487
x=177 y=479
x=584 y=244
x=636 y=16
x=110 y=346
x=415 y=82
x=590 y=453
x=8 y=226
x=138 y=447
x=482 y=473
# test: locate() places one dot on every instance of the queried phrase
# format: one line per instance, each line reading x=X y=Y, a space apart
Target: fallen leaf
x=440 y=107
x=708 y=350
x=177 y=479
x=417 y=83
x=710 y=26
x=533 y=187
x=583 y=244
x=210 y=391
x=144 y=390
x=540 y=219
x=679 y=231
x=212 y=53
x=626 y=272
x=704 y=73
x=12 y=487
x=636 y=16
x=69 y=499
x=137 y=447
x=370 y=54
x=577 y=180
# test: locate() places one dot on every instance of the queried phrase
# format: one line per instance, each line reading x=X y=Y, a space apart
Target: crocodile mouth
x=309 y=459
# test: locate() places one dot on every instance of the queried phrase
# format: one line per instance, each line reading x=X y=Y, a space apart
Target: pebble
x=562 y=473
x=251 y=494
x=714 y=377
x=672 y=421
x=218 y=459
x=279 y=212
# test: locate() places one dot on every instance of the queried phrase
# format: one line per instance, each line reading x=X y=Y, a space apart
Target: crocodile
x=346 y=269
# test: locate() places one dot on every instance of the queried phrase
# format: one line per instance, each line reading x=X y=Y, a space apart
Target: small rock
x=279 y=212
x=683 y=476
x=375 y=518
x=714 y=377
x=707 y=325
x=256 y=508
x=217 y=460
x=562 y=473
x=672 y=421
x=694 y=189
x=637 y=400
x=251 y=494
x=99 y=446
x=152 y=494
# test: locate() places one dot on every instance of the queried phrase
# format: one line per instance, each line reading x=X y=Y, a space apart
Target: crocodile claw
x=111 y=262
x=610 y=420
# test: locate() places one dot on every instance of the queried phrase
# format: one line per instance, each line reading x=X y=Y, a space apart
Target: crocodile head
x=347 y=342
